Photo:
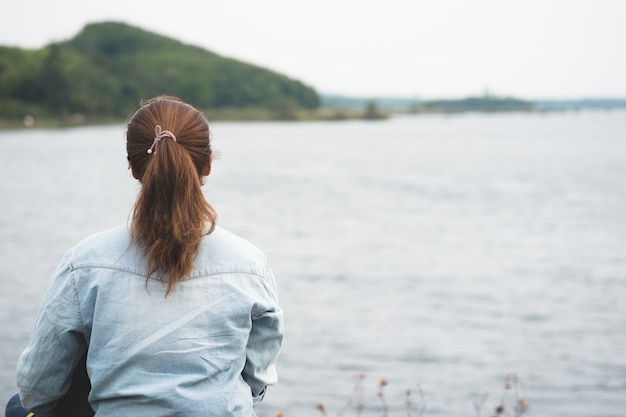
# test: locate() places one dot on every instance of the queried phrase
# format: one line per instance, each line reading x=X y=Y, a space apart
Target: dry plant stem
x=381 y=394
x=478 y=404
x=521 y=406
x=356 y=399
x=409 y=404
x=360 y=404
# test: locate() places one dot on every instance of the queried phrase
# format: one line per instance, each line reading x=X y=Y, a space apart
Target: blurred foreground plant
x=511 y=404
x=356 y=403
x=511 y=400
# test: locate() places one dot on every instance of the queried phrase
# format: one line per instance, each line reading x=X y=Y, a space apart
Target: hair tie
x=158 y=135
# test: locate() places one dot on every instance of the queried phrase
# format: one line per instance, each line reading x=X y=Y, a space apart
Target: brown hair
x=171 y=215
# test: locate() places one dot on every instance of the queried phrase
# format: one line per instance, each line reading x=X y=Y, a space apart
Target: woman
x=177 y=316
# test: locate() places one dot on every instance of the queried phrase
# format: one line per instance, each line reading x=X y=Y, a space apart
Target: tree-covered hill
x=109 y=67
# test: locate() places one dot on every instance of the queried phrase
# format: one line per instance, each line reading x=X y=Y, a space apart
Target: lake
x=444 y=251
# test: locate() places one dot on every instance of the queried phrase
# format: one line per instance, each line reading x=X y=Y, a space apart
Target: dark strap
x=75 y=402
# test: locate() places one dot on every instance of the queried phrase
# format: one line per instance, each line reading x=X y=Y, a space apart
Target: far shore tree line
x=108 y=68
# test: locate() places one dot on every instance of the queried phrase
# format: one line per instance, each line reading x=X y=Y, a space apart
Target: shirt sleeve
x=264 y=343
x=44 y=369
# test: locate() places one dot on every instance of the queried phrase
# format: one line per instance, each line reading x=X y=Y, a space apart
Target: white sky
x=428 y=49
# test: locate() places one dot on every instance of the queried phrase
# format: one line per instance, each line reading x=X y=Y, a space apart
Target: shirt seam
x=77 y=302
x=261 y=276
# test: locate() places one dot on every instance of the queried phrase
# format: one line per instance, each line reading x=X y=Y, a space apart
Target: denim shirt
x=207 y=349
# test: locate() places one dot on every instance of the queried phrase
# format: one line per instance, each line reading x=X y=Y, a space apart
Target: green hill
x=109 y=67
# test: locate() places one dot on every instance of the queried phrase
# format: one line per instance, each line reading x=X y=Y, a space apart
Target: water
x=444 y=251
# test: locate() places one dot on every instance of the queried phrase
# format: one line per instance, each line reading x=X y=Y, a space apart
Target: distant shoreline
x=213 y=115
x=295 y=115
x=495 y=103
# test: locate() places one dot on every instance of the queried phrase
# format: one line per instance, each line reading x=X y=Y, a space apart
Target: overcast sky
x=409 y=48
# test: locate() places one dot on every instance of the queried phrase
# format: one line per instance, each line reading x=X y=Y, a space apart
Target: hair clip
x=158 y=135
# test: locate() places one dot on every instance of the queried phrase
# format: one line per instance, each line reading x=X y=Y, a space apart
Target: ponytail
x=171 y=215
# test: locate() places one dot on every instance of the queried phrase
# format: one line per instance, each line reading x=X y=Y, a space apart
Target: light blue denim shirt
x=207 y=349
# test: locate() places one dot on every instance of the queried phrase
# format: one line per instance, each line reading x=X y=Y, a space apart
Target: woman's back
x=194 y=352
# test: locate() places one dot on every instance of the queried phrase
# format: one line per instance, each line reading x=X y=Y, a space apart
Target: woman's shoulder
x=102 y=247
x=223 y=249
x=224 y=241
x=113 y=237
